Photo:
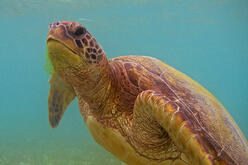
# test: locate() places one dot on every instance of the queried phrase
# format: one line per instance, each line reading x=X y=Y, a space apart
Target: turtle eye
x=80 y=31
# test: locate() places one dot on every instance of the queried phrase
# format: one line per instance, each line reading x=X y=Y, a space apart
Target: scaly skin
x=120 y=101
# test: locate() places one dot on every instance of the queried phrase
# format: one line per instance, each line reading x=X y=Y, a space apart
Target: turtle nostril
x=80 y=31
x=54 y=25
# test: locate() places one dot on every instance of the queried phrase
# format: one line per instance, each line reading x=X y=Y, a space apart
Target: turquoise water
x=208 y=40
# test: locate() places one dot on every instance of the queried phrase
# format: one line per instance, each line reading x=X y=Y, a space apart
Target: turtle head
x=73 y=51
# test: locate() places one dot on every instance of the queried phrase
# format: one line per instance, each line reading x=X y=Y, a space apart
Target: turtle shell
x=219 y=131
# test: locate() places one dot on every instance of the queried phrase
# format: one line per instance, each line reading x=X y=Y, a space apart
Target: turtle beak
x=58 y=26
x=57 y=31
x=54 y=30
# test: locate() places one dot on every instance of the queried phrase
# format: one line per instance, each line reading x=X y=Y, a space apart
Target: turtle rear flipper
x=158 y=120
x=60 y=96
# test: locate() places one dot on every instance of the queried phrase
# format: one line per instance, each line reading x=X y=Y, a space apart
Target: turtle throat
x=94 y=85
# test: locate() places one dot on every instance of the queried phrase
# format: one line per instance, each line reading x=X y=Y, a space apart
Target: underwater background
x=207 y=40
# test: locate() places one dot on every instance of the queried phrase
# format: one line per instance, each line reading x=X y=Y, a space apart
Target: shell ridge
x=217 y=146
x=190 y=111
x=177 y=97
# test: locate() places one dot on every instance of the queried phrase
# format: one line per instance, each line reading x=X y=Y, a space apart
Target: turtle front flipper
x=163 y=130
x=60 y=96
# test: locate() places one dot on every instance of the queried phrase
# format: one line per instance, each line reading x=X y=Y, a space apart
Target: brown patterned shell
x=208 y=115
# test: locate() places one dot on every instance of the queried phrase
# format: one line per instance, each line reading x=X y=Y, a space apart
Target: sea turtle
x=139 y=108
